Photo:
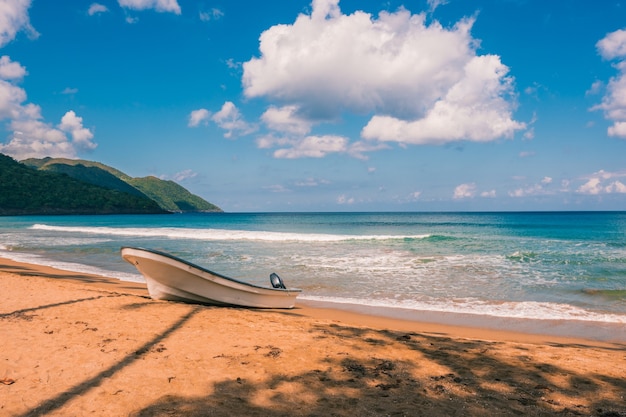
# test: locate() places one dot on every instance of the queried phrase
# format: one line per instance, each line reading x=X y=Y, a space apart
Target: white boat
x=174 y=279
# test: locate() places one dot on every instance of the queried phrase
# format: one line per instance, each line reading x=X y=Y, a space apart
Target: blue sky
x=329 y=106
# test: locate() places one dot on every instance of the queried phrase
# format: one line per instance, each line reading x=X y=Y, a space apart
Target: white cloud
x=81 y=136
x=230 y=119
x=285 y=119
x=197 y=117
x=473 y=109
x=464 y=191
x=488 y=194
x=11 y=98
x=360 y=148
x=423 y=83
x=184 y=175
x=33 y=138
x=613 y=46
x=314 y=147
x=170 y=6
x=534 y=189
x=270 y=141
x=530 y=190
x=618 y=129
x=11 y=70
x=96 y=8
x=14 y=18
x=603 y=182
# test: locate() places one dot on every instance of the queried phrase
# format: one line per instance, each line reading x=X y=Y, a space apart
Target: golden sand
x=75 y=345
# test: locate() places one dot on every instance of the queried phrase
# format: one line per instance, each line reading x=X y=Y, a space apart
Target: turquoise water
x=561 y=266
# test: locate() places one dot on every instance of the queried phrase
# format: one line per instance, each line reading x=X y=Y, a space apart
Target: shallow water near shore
x=537 y=270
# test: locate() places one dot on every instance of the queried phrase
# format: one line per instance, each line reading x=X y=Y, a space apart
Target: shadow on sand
x=479 y=382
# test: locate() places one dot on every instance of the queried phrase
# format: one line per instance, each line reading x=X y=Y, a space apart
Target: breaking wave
x=220 y=234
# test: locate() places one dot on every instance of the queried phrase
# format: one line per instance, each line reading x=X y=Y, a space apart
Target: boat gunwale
x=205 y=270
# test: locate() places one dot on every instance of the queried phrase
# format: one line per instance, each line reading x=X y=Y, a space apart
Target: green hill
x=168 y=195
x=171 y=196
x=93 y=175
x=24 y=191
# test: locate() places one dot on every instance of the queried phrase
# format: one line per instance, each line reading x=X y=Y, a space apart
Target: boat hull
x=173 y=279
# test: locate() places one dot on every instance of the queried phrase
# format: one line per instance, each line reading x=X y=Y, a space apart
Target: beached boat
x=174 y=279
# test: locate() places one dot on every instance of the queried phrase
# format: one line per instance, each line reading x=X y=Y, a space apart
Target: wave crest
x=219 y=234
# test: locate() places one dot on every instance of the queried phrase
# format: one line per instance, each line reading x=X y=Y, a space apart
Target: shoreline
x=81 y=344
x=382 y=318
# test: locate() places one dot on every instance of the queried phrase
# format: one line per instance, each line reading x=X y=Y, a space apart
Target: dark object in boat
x=276 y=281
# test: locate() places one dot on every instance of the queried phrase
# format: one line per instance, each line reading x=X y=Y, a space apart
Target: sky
x=328 y=105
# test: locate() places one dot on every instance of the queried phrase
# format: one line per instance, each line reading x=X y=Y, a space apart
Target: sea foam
x=219 y=234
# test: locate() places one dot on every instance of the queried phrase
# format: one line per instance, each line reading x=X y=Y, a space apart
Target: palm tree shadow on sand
x=480 y=384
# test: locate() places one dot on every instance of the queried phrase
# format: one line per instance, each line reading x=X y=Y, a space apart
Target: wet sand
x=77 y=344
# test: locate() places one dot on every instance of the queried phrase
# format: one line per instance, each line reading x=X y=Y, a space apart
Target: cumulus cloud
x=96 y=8
x=286 y=119
x=422 y=83
x=14 y=18
x=464 y=191
x=603 y=182
x=31 y=136
x=230 y=119
x=613 y=47
x=10 y=70
x=198 y=117
x=81 y=136
x=34 y=138
x=170 y=6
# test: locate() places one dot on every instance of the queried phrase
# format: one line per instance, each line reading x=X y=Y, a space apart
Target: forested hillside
x=168 y=195
x=24 y=190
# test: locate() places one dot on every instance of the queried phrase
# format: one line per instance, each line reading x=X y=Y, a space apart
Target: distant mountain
x=25 y=191
x=168 y=195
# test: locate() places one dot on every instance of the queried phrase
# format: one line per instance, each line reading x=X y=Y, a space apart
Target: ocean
x=560 y=273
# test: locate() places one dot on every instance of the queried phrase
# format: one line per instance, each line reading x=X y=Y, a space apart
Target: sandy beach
x=73 y=344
